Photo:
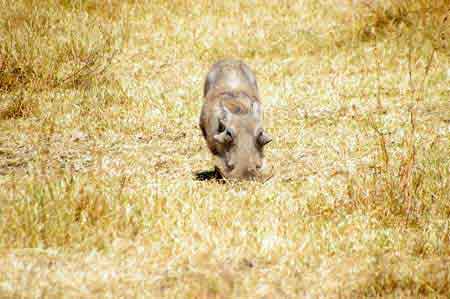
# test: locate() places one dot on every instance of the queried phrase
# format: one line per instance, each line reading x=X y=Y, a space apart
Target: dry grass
x=99 y=102
x=54 y=44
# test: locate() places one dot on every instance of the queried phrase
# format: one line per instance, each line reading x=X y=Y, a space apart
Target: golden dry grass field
x=99 y=146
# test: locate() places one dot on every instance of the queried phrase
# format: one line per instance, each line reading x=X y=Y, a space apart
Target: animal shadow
x=209 y=175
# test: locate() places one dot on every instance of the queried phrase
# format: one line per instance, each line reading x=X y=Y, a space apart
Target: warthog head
x=240 y=141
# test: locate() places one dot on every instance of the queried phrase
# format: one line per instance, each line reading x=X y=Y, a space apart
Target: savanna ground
x=99 y=143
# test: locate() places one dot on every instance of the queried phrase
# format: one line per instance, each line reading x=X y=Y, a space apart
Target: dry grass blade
x=99 y=107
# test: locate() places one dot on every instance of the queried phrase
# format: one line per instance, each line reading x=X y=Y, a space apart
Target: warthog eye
x=221 y=127
x=229 y=134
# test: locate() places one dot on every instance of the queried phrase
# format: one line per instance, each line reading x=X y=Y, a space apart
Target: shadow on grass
x=209 y=175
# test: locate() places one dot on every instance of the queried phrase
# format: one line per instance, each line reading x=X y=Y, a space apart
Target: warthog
x=231 y=120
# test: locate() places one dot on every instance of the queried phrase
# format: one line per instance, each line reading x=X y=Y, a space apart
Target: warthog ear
x=224 y=137
x=263 y=138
